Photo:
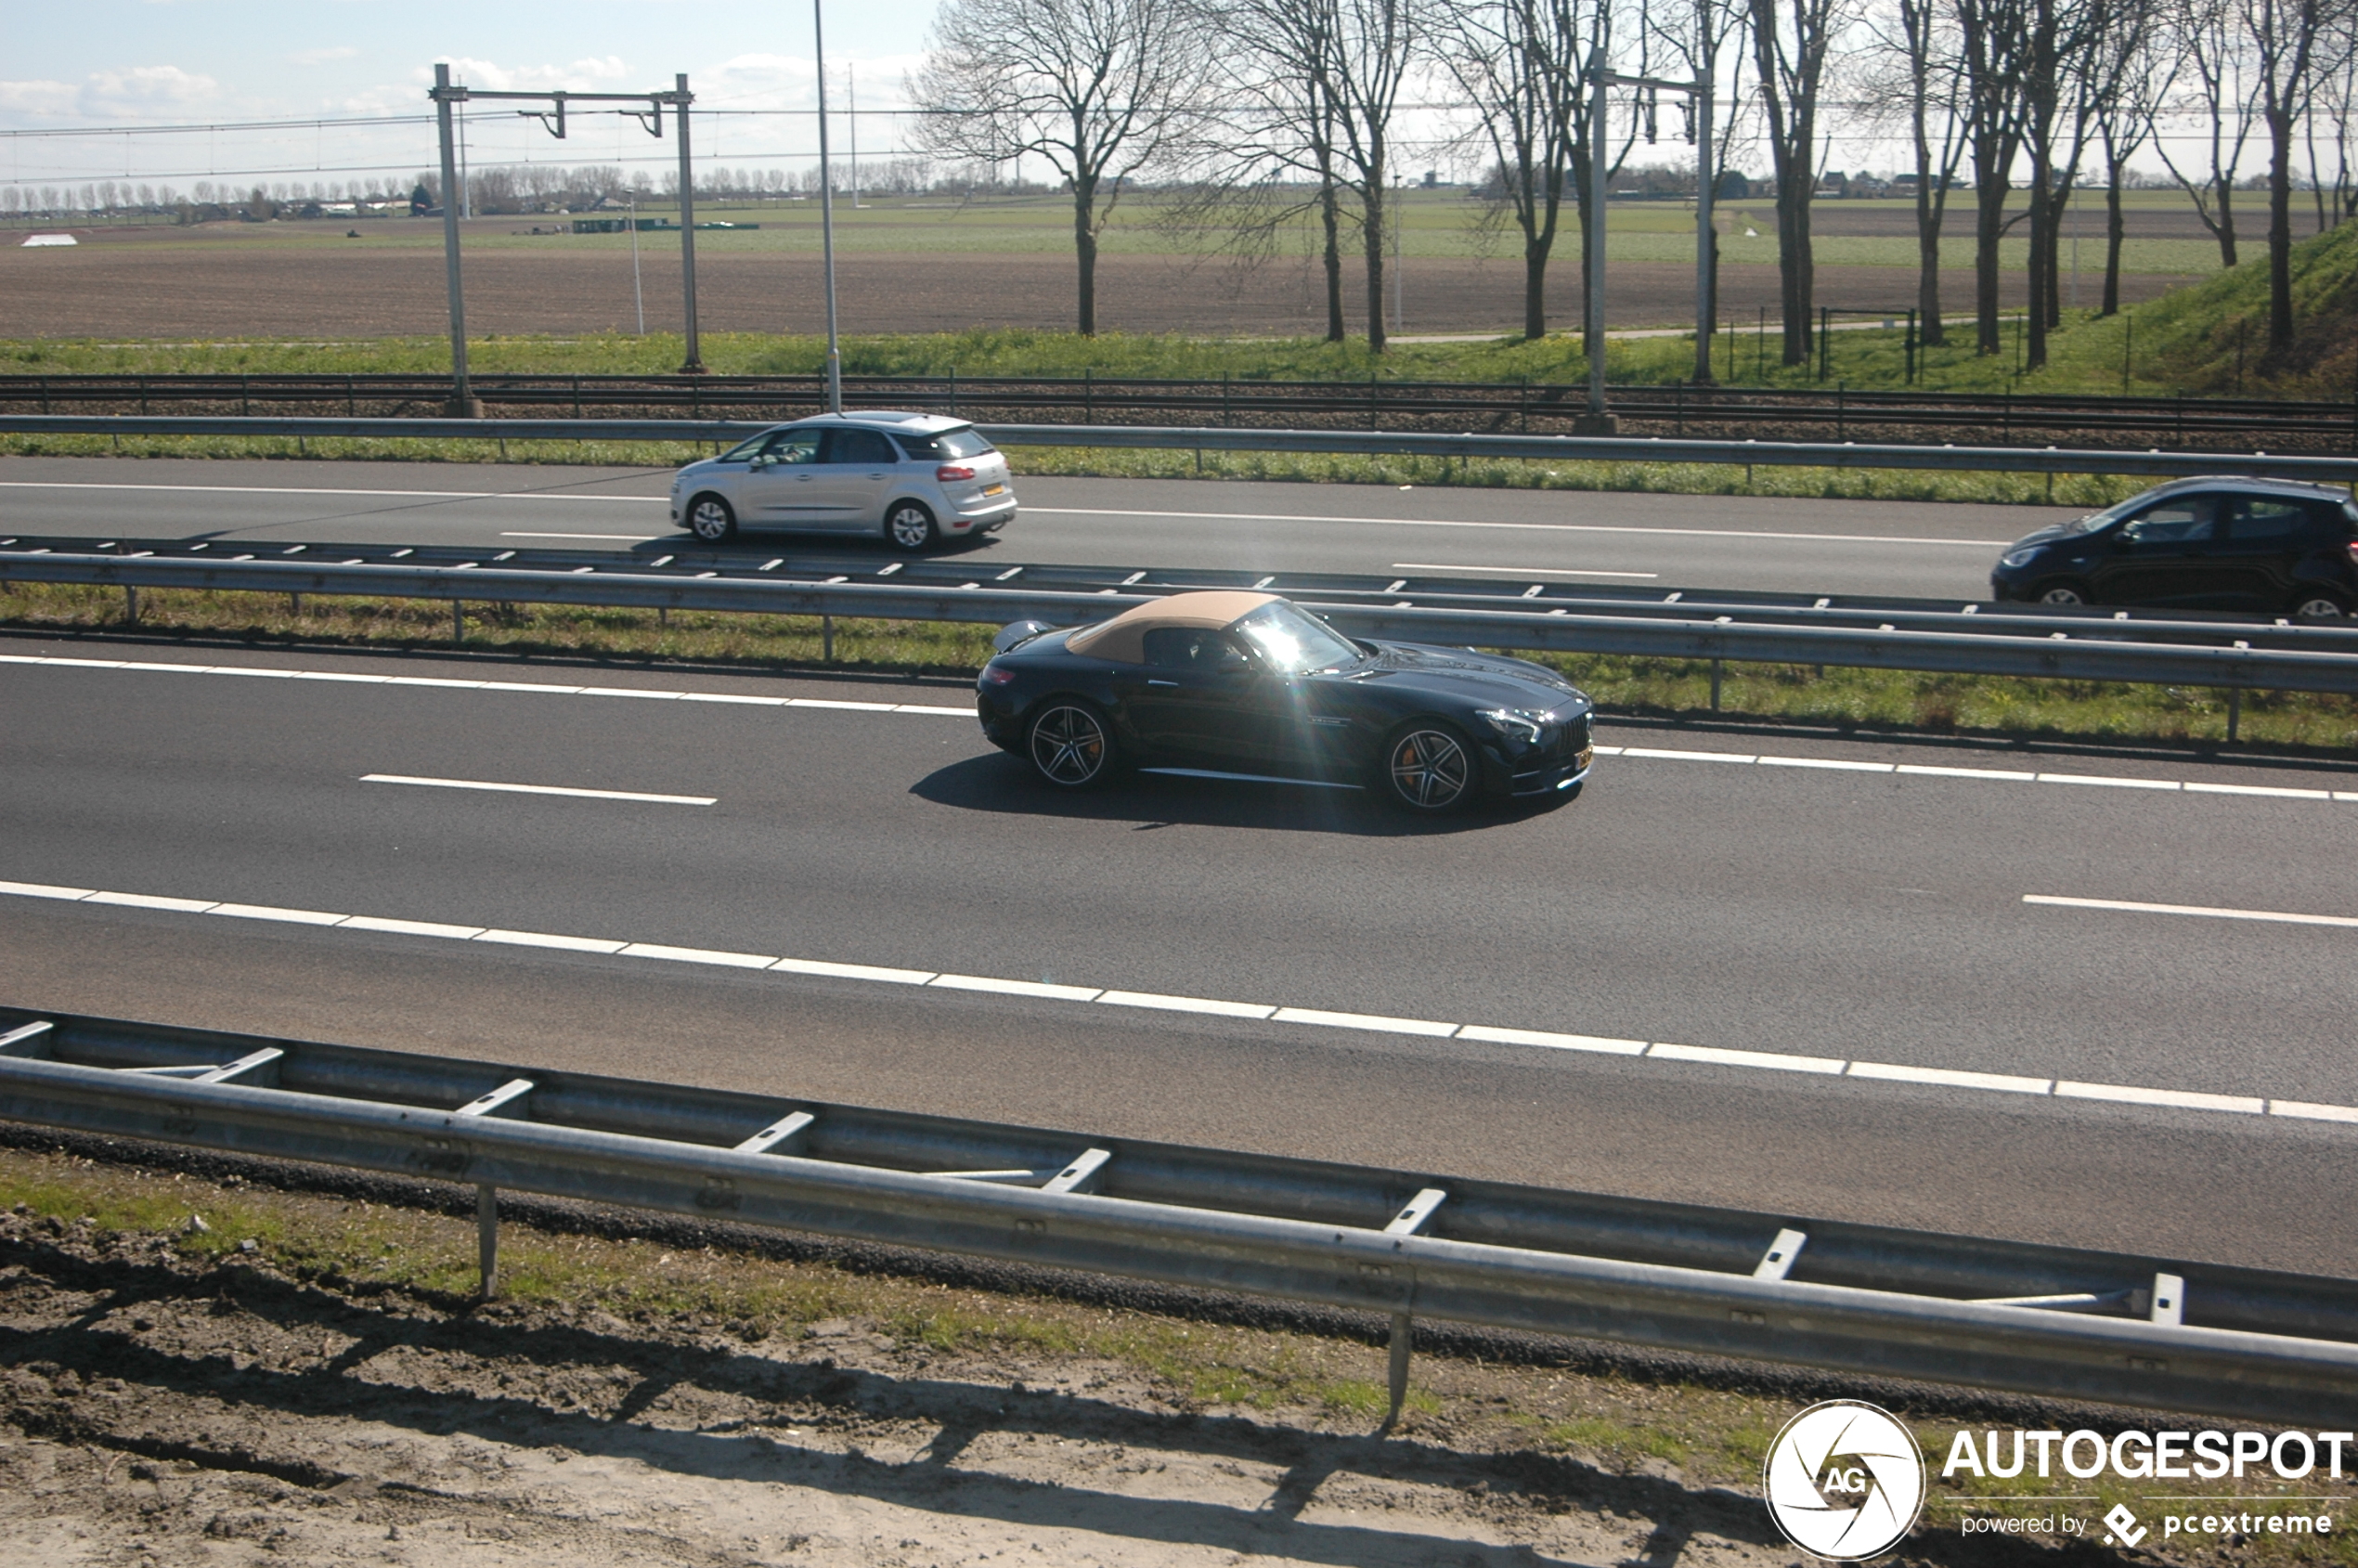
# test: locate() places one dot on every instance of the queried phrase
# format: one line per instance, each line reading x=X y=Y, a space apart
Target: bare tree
x=2336 y=101
x=2124 y=118
x=1101 y=89
x=1376 y=45
x=1279 y=60
x=2282 y=38
x=1920 y=37
x=2060 y=87
x=1700 y=34
x=1521 y=62
x=1994 y=39
x=2208 y=61
x=1791 y=41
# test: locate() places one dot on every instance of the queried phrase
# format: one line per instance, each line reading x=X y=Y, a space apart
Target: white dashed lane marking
x=1312 y=1017
x=541 y=789
x=2126 y=906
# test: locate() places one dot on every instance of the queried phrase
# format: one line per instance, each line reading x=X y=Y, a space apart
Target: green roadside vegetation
x=1713 y=1427
x=1848 y=700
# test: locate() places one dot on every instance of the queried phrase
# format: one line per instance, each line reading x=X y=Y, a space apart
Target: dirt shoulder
x=197 y=1366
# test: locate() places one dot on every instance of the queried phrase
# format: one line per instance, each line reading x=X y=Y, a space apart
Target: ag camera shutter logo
x=1845 y=1480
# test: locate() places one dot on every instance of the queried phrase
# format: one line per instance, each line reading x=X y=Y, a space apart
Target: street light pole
x=1707 y=306
x=695 y=366
x=462 y=403
x=827 y=217
x=1597 y=421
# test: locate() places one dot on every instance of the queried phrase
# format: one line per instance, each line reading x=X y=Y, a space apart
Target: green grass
x=2196 y=337
x=1846 y=699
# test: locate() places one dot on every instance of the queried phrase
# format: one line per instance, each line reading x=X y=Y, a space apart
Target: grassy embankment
x=1846 y=699
x=1716 y=1428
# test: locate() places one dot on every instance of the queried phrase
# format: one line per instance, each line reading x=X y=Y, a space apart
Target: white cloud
x=145 y=92
x=791 y=82
x=322 y=56
x=582 y=75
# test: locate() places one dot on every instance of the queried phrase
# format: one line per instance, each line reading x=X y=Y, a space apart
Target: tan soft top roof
x=1122 y=639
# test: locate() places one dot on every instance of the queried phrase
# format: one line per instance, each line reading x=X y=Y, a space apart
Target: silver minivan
x=911 y=479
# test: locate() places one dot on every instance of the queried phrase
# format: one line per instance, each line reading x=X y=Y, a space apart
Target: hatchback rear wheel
x=2313 y=605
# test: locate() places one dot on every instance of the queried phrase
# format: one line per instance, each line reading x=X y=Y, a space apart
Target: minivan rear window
x=965 y=441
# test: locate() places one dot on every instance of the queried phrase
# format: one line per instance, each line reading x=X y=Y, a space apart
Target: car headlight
x=1519 y=725
x=2019 y=557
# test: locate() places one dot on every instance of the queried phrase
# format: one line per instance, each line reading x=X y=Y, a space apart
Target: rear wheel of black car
x=2063 y=594
x=1071 y=744
x=1428 y=768
x=2314 y=606
x=711 y=520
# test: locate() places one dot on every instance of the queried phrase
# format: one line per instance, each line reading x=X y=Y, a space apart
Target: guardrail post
x=2234 y=712
x=827 y=639
x=1715 y=686
x=1404 y=1339
x=458 y=621
x=487 y=1240
x=131 y=604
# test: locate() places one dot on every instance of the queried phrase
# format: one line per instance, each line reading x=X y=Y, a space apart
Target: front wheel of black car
x=1428 y=768
x=2065 y=595
x=1071 y=744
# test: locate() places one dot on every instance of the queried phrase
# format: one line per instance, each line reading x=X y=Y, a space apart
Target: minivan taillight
x=950 y=471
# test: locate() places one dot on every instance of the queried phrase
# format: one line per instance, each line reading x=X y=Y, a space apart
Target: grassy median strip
x=612 y=1319
x=1814 y=694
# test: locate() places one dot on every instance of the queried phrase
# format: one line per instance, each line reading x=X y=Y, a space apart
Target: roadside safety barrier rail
x=1228 y=400
x=2170 y=1334
x=1555 y=448
x=684 y=558
x=2094 y=649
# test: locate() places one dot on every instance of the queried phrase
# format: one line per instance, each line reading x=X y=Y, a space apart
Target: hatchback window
x=2186 y=520
x=963 y=442
x=2267 y=517
x=859 y=446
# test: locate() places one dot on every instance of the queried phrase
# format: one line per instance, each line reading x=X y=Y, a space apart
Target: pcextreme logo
x=1845 y=1480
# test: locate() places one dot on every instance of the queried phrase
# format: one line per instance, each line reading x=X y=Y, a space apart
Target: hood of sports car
x=1477 y=678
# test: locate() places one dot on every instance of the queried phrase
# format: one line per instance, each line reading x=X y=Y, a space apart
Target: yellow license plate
x=1585 y=755
x=995 y=489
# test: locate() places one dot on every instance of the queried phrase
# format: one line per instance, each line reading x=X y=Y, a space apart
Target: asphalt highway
x=1814 y=962
x=1913 y=549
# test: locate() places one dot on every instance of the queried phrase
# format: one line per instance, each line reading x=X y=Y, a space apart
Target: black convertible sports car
x=1247 y=686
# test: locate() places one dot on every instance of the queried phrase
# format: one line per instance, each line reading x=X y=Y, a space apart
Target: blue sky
x=208 y=62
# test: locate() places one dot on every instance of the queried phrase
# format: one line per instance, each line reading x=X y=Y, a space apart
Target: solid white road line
x=1517 y=571
x=179 y=489
x=542 y=789
x=1917 y=770
x=2206 y=911
x=1368 y=1023
x=1532 y=527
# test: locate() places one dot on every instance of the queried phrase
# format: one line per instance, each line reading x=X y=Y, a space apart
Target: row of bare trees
x=1272 y=115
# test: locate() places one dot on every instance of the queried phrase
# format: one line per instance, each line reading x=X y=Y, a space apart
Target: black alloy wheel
x=2066 y=595
x=1429 y=768
x=910 y=527
x=1070 y=745
x=712 y=520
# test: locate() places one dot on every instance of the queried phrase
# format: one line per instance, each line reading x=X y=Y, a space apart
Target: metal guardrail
x=1227 y=400
x=1553 y=449
x=2100 y=652
x=1863 y=1300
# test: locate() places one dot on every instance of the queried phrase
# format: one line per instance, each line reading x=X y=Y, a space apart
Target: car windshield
x=744 y=450
x=1295 y=641
x=963 y=442
x=2106 y=518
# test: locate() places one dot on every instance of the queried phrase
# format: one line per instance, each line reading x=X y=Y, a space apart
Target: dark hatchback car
x=1242 y=686
x=2270 y=546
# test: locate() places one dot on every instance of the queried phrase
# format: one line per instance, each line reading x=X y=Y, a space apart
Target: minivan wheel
x=2063 y=594
x=2314 y=606
x=910 y=527
x=712 y=520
